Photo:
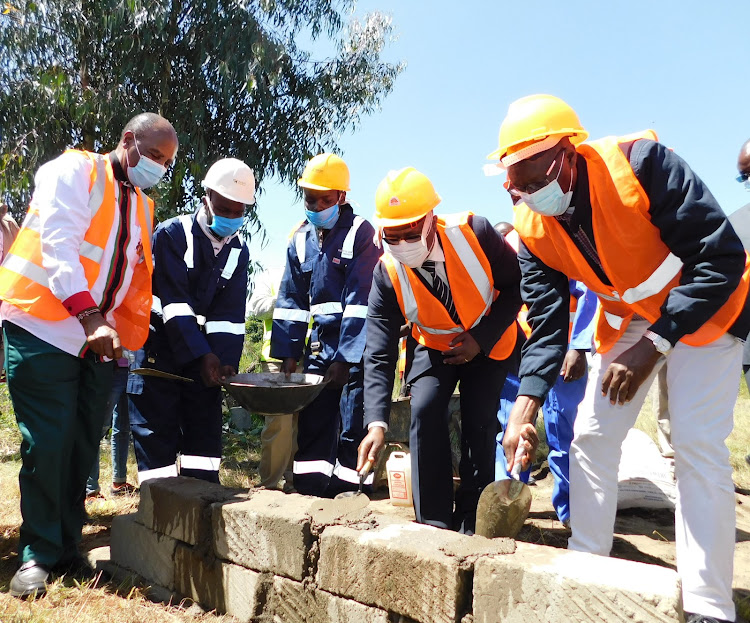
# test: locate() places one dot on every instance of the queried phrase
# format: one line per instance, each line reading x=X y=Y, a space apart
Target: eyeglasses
x=743 y=177
x=530 y=189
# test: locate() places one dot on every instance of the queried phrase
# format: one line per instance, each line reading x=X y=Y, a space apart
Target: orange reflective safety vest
x=470 y=281
x=512 y=240
x=641 y=267
x=23 y=279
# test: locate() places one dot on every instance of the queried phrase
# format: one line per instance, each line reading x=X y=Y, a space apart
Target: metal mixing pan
x=272 y=393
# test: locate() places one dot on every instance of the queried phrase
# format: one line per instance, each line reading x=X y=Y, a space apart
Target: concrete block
x=227 y=588
x=413 y=570
x=541 y=584
x=180 y=507
x=149 y=554
x=294 y=602
x=268 y=532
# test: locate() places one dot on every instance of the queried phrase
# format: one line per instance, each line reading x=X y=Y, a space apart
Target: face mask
x=222 y=226
x=146 y=173
x=325 y=219
x=550 y=200
x=412 y=253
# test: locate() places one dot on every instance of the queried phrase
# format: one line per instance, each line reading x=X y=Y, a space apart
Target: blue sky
x=680 y=68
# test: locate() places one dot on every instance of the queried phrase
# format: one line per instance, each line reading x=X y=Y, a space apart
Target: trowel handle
x=365 y=470
x=517 y=465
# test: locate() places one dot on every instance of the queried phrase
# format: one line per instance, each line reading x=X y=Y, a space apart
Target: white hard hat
x=232 y=179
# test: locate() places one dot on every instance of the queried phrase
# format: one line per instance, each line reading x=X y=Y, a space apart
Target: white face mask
x=550 y=200
x=413 y=253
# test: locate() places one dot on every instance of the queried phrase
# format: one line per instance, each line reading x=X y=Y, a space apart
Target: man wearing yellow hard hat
x=629 y=218
x=456 y=280
x=330 y=260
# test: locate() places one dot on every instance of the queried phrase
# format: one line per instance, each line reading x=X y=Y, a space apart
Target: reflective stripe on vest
x=473 y=293
x=187 y=225
x=347 y=249
x=411 y=312
x=641 y=268
x=24 y=282
x=300 y=238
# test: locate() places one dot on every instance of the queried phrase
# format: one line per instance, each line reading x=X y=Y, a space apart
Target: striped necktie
x=441 y=290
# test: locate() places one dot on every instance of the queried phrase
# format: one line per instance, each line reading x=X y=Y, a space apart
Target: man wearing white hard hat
x=197 y=329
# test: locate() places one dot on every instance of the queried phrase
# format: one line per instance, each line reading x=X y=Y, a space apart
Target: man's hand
x=288 y=366
x=574 y=365
x=101 y=336
x=371 y=446
x=628 y=372
x=211 y=370
x=337 y=373
x=463 y=349
x=521 y=430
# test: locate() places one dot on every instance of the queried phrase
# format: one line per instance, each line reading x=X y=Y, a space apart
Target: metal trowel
x=161 y=374
x=504 y=504
x=362 y=475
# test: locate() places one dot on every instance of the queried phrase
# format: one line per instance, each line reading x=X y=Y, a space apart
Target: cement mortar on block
x=269 y=532
x=180 y=507
x=548 y=585
x=413 y=570
x=227 y=588
x=149 y=554
x=294 y=602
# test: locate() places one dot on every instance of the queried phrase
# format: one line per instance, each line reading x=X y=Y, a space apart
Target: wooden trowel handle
x=365 y=470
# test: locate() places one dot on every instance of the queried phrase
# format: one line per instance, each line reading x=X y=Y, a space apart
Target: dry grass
x=98 y=601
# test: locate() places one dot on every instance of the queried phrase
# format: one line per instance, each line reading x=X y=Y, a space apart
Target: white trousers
x=702 y=384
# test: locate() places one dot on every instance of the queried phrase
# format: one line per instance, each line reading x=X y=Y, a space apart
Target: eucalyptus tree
x=268 y=81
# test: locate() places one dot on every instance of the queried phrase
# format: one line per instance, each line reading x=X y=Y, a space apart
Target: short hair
x=503 y=228
x=146 y=122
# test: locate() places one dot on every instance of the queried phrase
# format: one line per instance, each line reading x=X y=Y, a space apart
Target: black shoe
x=30 y=579
x=702 y=618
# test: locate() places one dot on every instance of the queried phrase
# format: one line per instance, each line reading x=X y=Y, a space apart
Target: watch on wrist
x=661 y=344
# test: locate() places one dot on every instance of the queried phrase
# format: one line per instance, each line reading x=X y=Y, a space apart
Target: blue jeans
x=559 y=409
x=118 y=405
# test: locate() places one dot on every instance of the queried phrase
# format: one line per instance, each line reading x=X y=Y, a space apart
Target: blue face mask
x=325 y=219
x=222 y=226
x=146 y=173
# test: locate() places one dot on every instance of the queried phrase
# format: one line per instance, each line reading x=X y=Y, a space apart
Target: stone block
x=294 y=602
x=149 y=554
x=180 y=507
x=269 y=532
x=413 y=570
x=217 y=585
x=541 y=584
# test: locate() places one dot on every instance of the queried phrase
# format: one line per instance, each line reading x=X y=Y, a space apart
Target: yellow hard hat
x=403 y=197
x=325 y=172
x=533 y=118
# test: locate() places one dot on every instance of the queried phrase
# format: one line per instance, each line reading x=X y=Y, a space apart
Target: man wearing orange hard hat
x=330 y=259
x=456 y=280
x=629 y=218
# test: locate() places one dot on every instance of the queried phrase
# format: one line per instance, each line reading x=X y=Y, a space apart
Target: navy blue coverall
x=330 y=283
x=198 y=308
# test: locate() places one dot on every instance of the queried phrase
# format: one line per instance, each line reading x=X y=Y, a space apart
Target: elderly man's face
x=157 y=145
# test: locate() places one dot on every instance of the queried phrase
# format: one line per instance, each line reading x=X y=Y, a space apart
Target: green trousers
x=59 y=401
